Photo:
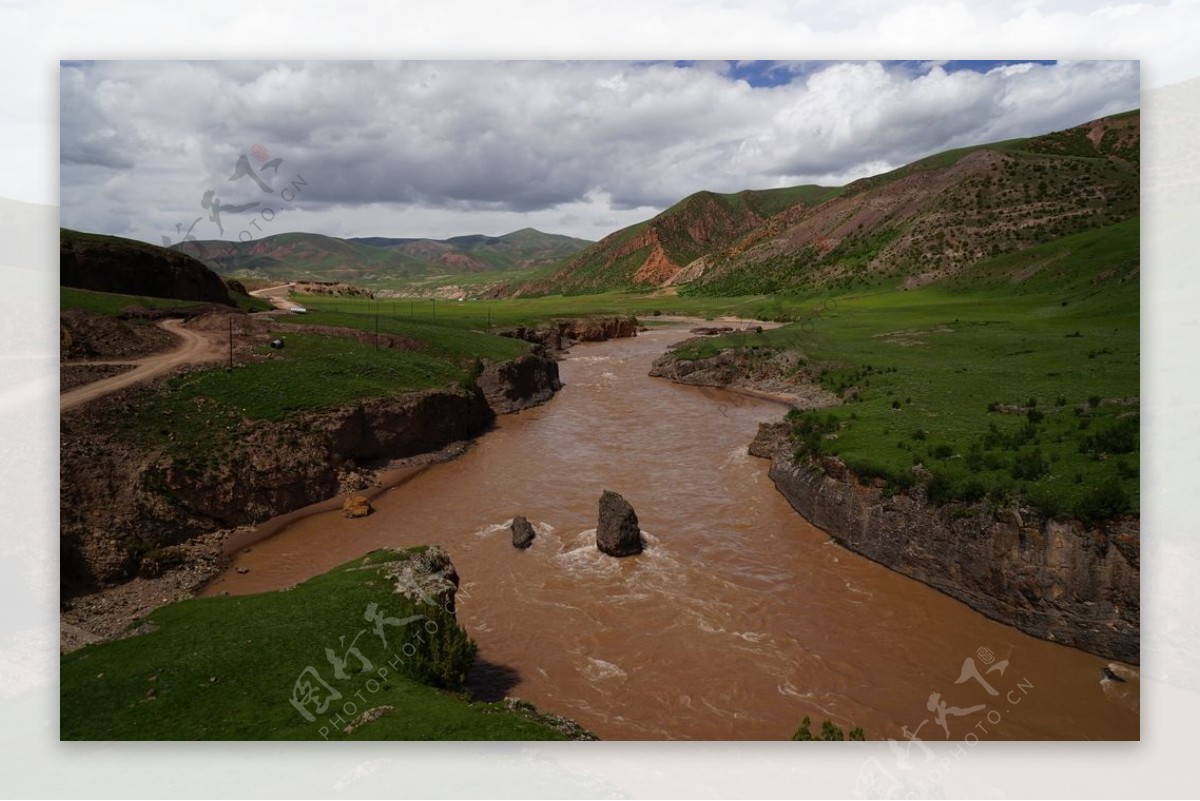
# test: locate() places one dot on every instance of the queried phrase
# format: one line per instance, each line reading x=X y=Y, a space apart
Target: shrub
x=972 y=491
x=830 y=731
x=1029 y=465
x=1104 y=501
x=809 y=430
x=1046 y=501
x=1126 y=470
x=1121 y=437
x=940 y=489
x=802 y=733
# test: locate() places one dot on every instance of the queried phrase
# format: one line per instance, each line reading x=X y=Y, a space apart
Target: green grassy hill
x=1021 y=383
x=939 y=218
x=229 y=668
x=113 y=264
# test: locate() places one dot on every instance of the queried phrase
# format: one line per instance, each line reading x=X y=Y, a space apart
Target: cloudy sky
x=149 y=149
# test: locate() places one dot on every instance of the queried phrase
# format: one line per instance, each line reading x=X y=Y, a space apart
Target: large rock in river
x=522 y=532
x=617 y=533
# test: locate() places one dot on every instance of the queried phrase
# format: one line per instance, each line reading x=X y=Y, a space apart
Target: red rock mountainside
x=654 y=252
x=928 y=221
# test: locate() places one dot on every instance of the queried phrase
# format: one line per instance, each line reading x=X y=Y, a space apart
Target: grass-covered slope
x=113 y=304
x=113 y=264
x=229 y=668
x=1022 y=385
x=940 y=217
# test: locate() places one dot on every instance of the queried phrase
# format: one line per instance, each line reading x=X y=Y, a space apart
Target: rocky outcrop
x=522 y=533
x=777 y=373
x=120 y=502
x=392 y=428
x=597 y=329
x=1061 y=581
x=127 y=267
x=562 y=334
x=617 y=533
x=356 y=506
x=428 y=578
x=334 y=288
x=528 y=380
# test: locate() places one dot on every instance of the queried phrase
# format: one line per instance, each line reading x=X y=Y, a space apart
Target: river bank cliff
x=142 y=525
x=1060 y=580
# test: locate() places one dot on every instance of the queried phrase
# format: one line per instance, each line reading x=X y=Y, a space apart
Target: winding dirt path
x=197 y=347
x=277 y=296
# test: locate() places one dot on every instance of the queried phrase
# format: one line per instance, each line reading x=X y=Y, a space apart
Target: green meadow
x=1017 y=380
x=1014 y=389
x=229 y=668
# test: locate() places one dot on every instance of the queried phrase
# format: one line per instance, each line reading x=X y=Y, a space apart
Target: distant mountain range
x=315 y=257
x=925 y=222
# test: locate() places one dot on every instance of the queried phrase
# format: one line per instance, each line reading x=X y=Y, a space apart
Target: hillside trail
x=197 y=348
x=277 y=296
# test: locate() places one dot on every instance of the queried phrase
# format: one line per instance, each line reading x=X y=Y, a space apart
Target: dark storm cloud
x=147 y=139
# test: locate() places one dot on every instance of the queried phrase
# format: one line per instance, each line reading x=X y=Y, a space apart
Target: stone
x=356 y=506
x=617 y=533
x=522 y=532
x=429 y=578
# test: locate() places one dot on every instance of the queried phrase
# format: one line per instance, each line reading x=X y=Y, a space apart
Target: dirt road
x=196 y=348
x=277 y=296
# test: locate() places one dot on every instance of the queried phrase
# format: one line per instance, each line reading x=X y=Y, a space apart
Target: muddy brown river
x=739 y=619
